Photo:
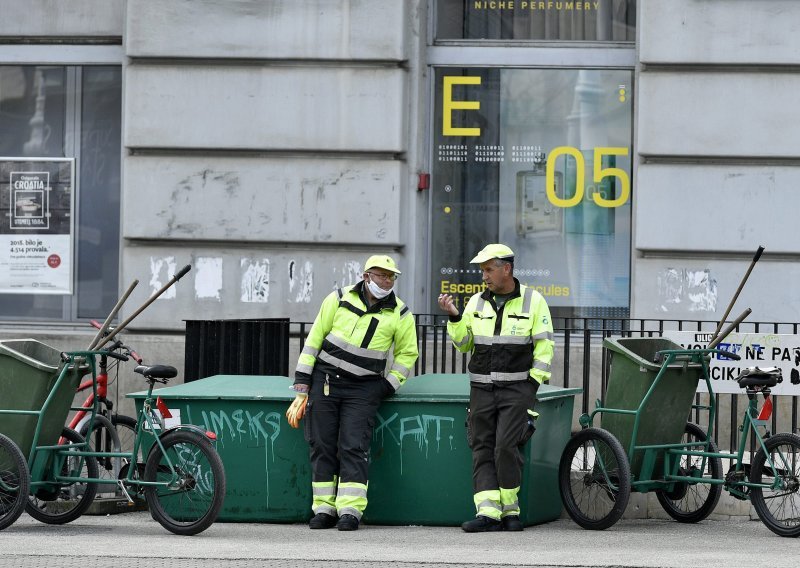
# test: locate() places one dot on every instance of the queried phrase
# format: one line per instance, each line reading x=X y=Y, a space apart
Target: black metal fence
x=580 y=361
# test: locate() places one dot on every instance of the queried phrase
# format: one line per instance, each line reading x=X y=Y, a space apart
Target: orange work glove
x=297 y=409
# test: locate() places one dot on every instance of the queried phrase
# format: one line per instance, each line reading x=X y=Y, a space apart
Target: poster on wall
x=763 y=350
x=36 y=225
x=540 y=160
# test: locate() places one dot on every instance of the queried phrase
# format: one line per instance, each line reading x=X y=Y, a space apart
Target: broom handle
x=112 y=315
x=149 y=301
x=736 y=295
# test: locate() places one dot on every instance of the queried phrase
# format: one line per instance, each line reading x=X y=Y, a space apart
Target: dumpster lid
x=229 y=387
x=431 y=387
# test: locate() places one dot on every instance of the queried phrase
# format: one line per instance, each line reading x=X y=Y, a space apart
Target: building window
x=538 y=159
x=547 y=20
x=52 y=111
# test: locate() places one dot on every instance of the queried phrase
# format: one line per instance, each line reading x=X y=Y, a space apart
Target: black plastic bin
x=236 y=347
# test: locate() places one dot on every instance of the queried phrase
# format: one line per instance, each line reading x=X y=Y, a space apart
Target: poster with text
x=762 y=350
x=36 y=225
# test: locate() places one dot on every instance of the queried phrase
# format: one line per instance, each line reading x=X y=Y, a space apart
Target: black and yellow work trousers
x=498 y=428
x=339 y=421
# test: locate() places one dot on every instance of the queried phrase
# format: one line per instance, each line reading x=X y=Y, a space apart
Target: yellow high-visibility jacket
x=514 y=343
x=352 y=340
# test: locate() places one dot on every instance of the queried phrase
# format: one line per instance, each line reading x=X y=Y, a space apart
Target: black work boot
x=322 y=521
x=511 y=523
x=482 y=524
x=347 y=523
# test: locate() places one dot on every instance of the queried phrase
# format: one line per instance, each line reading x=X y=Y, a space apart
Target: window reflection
x=538 y=159
x=32 y=111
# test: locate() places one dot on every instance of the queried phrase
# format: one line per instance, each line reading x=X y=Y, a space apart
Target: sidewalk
x=134 y=539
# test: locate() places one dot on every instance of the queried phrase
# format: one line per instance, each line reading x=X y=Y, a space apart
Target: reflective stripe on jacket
x=514 y=343
x=356 y=340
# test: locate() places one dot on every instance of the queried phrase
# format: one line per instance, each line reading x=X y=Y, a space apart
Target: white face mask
x=376 y=290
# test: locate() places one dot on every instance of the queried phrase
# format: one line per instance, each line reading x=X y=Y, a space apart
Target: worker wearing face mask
x=343 y=373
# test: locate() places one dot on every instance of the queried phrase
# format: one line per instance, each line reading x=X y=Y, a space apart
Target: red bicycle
x=111 y=432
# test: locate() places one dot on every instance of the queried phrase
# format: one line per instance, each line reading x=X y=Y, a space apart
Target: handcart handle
x=693 y=354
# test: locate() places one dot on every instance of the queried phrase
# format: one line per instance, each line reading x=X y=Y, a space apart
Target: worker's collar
x=487 y=294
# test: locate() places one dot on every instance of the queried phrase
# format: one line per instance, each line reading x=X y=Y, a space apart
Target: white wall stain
x=351 y=273
x=689 y=290
x=208 y=278
x=161 y=270
x=301 y=279
x=255 y=280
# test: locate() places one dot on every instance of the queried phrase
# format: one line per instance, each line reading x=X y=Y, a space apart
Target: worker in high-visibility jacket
x=341 y=379
x=508 y=330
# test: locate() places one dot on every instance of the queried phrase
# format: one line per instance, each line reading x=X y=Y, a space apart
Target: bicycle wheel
x=115 y=435
x=104 y=438
x=14 y=482
x=62 y=502
x=594 y=479
x=778 y=507
x=190 y=503
x=690 y=502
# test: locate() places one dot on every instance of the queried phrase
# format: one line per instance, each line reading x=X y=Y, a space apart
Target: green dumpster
x=421 y=470
x=662 y=419
x=28 y=371
x=267 y=472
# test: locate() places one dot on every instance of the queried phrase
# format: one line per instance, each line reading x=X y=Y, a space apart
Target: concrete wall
x=268 y=146
x=57 y=19
x=718 y=155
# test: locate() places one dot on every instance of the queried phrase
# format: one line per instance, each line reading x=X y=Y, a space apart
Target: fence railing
x=580 y=361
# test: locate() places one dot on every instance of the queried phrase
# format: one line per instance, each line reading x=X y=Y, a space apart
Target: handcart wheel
x=60 y=503
x=15 y=482
x=778 y=507
x=691 y=502
x=594 y=479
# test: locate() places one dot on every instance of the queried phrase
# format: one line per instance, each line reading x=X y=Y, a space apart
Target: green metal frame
x=673 y=452
x=45 y=462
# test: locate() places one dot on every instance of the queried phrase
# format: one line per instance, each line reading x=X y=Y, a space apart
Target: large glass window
x=51 y=111
x=538 y=159
x=564 y=20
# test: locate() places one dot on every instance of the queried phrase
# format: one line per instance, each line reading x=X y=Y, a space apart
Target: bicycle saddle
x=156 y=371
x=756 y=377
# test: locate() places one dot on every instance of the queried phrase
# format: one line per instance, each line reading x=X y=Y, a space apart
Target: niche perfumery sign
x=36 y=225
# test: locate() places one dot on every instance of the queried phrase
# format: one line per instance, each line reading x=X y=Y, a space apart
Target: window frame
x=73 y=58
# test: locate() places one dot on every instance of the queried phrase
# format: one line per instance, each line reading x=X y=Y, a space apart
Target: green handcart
x=644 y=443
x=52 y=472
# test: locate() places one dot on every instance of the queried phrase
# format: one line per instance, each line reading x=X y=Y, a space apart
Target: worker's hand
x=297 y=409
x=447 y=304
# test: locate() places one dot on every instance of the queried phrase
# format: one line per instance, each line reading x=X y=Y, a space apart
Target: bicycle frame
x=60 y=453
x=99 y=393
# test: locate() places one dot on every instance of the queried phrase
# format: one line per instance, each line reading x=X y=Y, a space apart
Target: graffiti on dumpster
x=418 y=428
x=258 y=427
